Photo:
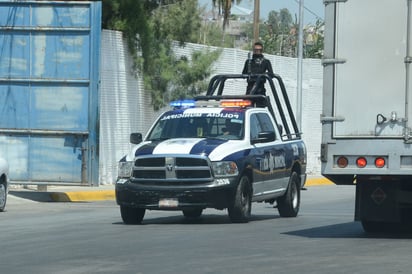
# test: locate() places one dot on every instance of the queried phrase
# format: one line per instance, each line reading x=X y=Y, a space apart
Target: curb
x=81 y=196
x=102 y=195
x=318 y=181
x=107 y=194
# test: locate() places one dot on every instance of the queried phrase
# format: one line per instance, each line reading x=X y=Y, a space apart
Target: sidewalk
x=100 y=193
x=66 y=193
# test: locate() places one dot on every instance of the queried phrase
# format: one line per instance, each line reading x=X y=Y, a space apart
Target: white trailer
x=367 y=107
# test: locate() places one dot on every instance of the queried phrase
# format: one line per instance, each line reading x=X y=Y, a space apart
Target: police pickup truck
x=216 y=151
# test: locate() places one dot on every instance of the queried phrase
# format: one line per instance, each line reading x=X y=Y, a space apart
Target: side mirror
x=136 y=138
x=265 y=137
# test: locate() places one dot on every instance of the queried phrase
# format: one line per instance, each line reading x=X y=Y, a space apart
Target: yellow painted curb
x=318 y=182
x=109 y=195
x=81 y=196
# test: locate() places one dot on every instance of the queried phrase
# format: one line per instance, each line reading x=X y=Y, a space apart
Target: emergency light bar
x=239 y=103
x=226 y=103
x=232 y=101
x=186 y=103
x=235 y=103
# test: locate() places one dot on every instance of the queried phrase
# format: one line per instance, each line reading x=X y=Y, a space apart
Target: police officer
x=258 y=64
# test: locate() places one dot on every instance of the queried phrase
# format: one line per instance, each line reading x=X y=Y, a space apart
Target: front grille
x=149 y=174
x=167 y=169
x=191 y=161
x=150 y=162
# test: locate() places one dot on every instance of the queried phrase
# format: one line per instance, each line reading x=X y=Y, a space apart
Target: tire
x=289 y=203
x=131 y=215
x=193 y=213
x=3 y=196
x=371 y=227
x=382 y=227
x=240 y=208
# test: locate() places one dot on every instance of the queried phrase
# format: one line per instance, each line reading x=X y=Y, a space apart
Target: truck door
x=269 y=158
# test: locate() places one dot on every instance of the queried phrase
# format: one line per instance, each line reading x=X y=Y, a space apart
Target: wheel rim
x=295 y=199
x=2 y=195
x=245 y=199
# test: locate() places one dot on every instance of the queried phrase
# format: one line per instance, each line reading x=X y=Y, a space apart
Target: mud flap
x=376 y=199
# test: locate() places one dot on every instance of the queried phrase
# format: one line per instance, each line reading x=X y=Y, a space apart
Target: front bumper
x=151 y=197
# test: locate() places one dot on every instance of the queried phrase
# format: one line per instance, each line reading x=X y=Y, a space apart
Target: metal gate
x=49 y=77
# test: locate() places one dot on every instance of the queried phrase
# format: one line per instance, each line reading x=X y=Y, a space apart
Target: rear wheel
x=192 y=213
x=239 y=211
x=289 y=203
x=131 y=215
x=385 y=227
x=3 y=196
x=371 y=227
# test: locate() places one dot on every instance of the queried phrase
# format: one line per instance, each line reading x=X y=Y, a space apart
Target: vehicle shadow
x=38 y=196
x=205 y=219
x=350 y=230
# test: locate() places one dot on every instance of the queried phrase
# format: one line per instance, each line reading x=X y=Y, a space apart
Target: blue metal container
x=49 y=85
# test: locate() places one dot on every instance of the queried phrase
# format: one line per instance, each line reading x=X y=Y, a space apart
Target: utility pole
x=256 y=21
x=300 y=64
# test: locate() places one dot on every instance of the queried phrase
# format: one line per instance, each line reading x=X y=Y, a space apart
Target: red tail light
x=361 y=162
x=379 y=162
x=342 y=162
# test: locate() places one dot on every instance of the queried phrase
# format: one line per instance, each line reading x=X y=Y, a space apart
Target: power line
x=310 y=11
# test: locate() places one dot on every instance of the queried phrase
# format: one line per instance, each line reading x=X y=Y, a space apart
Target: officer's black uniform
x=257 y=65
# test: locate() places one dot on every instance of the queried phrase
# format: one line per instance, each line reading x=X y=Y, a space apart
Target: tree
x=314 y=40
x=152 y=27
x=212 y=34
x=279 y=34
x=224 y=7
x=179 y=21
x=278 y=39
x=132 y=18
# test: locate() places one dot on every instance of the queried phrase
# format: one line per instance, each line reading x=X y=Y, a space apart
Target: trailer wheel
x=383 y=227
x=192 y=213
x=370 y=226
x=289 y=203
x=131 y=215
x=239 y=210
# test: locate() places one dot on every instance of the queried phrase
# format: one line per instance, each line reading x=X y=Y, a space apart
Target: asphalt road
x=89 y=237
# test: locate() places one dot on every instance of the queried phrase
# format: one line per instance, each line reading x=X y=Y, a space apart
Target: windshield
x=191 y=124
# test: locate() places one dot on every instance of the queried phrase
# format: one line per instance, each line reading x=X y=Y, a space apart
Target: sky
x=314 y=9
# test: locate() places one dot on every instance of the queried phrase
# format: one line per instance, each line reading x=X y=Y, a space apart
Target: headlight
x=125 y=169
x=224 y=169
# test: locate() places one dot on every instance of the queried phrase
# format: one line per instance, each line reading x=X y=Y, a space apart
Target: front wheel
x=131 y=215
x=289 y=203
x=239 y=210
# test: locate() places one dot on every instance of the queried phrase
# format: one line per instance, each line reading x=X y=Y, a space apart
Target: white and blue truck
x=367 y=107
x=216 y=151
